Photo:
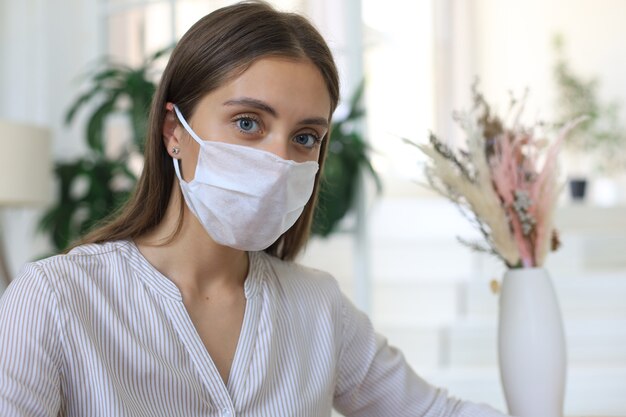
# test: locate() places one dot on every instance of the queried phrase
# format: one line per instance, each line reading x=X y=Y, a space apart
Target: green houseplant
x=600 y=138
x=347 y=158
x=114 y=89
x=88 y=188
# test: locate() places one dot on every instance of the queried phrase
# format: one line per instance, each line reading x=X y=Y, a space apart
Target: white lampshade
x=26 y=166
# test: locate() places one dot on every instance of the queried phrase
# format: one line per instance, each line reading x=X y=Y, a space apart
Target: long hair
x=217 y=48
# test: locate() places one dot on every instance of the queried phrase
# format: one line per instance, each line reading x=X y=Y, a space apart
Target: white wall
x=23 y=86
x=44 y=46
x=514 y=49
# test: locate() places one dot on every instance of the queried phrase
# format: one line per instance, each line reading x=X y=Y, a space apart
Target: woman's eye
x=247 y=125
x=308 y=140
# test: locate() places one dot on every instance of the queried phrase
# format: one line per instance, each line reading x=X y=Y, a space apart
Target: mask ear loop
x=189 y=130
x=177 y=169
x=186 y=125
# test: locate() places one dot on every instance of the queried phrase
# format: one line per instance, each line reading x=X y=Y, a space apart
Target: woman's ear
x=170 y=140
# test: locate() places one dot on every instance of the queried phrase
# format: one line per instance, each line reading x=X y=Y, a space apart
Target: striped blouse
x=100 y=332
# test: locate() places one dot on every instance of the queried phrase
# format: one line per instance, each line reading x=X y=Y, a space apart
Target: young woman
x=187 y=302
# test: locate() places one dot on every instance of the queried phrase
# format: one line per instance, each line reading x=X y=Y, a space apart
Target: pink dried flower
x=512 y=165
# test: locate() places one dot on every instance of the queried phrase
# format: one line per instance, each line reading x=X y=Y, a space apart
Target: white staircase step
x=589 y=391
x=588 y=251
x=596 y=295
x=401 y=218
x=589 y=219
x=598 y=343
x=418 y=261
x=420 y=346
x=399 y=304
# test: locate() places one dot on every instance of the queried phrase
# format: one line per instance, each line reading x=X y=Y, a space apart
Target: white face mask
x=244 y=197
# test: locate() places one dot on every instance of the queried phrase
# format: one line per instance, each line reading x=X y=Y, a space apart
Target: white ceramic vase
x=531 y=344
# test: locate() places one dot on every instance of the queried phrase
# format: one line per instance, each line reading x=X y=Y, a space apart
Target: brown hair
x=218 y=47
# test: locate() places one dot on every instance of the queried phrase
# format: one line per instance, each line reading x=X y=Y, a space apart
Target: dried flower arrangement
x=506 y=181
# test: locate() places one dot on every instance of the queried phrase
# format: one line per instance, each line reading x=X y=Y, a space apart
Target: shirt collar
x=166 y=287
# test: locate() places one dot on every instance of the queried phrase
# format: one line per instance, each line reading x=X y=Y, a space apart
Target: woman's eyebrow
x=319 y=121
x=252 y=102
x=263 y=106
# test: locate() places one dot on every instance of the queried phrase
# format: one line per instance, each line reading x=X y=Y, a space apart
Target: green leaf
x=356 y=110
x=347 y=157
x=109 y=73
x=80 y=102
x=95 y=125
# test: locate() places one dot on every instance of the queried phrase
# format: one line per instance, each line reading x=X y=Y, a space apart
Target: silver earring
x=175 y=150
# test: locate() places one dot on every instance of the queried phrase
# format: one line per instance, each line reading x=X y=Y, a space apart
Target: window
x=398 y=69
x=136 y=29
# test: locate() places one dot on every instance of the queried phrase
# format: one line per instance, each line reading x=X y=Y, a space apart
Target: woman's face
x=278 y=105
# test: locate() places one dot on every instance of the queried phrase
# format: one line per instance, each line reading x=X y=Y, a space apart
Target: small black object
x=577 y=188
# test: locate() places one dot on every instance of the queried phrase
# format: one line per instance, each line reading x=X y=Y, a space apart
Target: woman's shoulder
x=83 y=256
x=293 y=271
x=90 y=260
x=291 y=276
x=94 y=251
x=308 y=301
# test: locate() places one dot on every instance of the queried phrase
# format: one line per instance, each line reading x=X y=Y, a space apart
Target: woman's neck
x=192 y=260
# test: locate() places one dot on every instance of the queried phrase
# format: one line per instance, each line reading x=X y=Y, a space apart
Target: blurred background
x=395 y=251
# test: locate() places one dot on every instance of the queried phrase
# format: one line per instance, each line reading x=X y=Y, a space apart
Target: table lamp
x=25 y=172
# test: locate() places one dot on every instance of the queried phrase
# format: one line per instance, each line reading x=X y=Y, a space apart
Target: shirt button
x=226 y=412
